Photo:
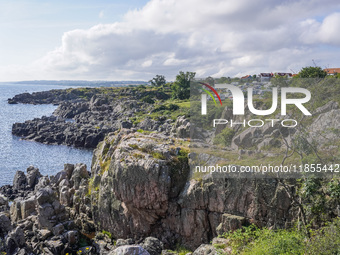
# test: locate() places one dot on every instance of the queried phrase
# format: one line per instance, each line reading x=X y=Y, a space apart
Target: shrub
x=148 y=99
x=225 y=137
x=277 y=242
x=107 y=233
x=325 y=240
x=173 y=107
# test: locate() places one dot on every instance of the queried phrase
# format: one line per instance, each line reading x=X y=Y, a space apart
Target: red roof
x=332 y=70
x=284 y=74
x=266 y=74
x=245 y=77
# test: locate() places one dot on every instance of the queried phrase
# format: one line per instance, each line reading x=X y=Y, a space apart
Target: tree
x=158 y=81
x=210 y=80
x=312 y=72
x=224 y=80
x=181 y=87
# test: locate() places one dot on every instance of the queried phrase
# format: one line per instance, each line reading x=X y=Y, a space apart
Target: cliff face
x=142 y=186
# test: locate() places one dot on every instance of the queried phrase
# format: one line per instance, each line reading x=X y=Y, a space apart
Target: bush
x=252 y=240
x=148 y=99
x=277 y=242
x=225 y=137
x=325 y=240
x=173 y=107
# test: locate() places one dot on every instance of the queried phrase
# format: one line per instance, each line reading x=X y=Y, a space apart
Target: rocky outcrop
x=53 y=215
x=142 y=187
x=181 y=127
x=55 y=96
x=140 y=196
x=325 y=128
x=85 y=116
x=269 y=135
x=139 y=186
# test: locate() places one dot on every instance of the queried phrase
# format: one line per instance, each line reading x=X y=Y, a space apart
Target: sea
x=17 y=154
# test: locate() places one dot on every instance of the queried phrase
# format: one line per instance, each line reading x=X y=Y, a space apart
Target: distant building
x=332 y=71
x=247 y=77
x=289 y=75
x=266 y=76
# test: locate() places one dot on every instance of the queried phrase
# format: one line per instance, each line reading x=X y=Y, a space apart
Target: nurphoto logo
x=238 y=99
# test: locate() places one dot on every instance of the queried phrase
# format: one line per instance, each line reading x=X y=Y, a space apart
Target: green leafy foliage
x=278 y=242
x=312 y=72
x=256 y=241
x=148 y=99
x=241 y=237
x=181 y=87
x=225 y=137
x=158 y=81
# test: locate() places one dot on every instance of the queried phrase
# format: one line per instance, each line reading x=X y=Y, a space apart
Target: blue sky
x=30 y=29
x=135 y=40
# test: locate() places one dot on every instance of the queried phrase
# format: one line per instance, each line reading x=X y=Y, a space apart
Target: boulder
x=3 y=201
x=153 y=245
x=121 y=242
x=129 y=250
x=58 y=229
x=181 y=127
x=33 y=176
x=205 y=249
x=15 y=240
x=27 y=207
x=5 y=225
x=43 y=234
x=79 y=172
x=19 y=181
x=72 y=237
x=55 y=246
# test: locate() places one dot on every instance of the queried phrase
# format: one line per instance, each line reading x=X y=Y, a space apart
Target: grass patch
x=134 y=146
x=104 y=166
x=158 y=155
x=107 y=233
x=180 y=250
x=256 y=241
x=144 y=131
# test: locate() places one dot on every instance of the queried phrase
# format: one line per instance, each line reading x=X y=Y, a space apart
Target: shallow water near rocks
x=16 y=154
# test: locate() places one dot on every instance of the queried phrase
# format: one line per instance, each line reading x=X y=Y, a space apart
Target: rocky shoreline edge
x=138 y=196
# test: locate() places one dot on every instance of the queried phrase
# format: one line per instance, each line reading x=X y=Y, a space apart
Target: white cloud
x=217 y=37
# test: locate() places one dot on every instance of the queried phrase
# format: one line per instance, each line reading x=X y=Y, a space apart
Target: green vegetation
x=253 y=240
x=158 y=155
x=158 y=81
x=181 y=87
x=144 y=131
x=224 y=138
x=107 y=233
x=311 y=72
x=180 y=250
x=134 y=146
x=104 y=166
x=148 y=99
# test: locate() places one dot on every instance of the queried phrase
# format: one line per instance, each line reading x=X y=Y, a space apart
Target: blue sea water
x=16 y=154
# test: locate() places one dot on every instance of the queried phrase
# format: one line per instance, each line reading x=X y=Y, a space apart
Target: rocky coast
x=138 y=196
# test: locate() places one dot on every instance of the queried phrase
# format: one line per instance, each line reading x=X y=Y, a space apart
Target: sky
x=138 y=39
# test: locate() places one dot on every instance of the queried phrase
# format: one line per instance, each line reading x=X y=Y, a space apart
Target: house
x=289 y=75
x=332 y=71
x=266 y=76
x=247 y=77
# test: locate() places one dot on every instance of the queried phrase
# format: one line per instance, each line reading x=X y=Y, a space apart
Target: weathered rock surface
x=129 y=250
x=92 y=118
x=140 y=189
